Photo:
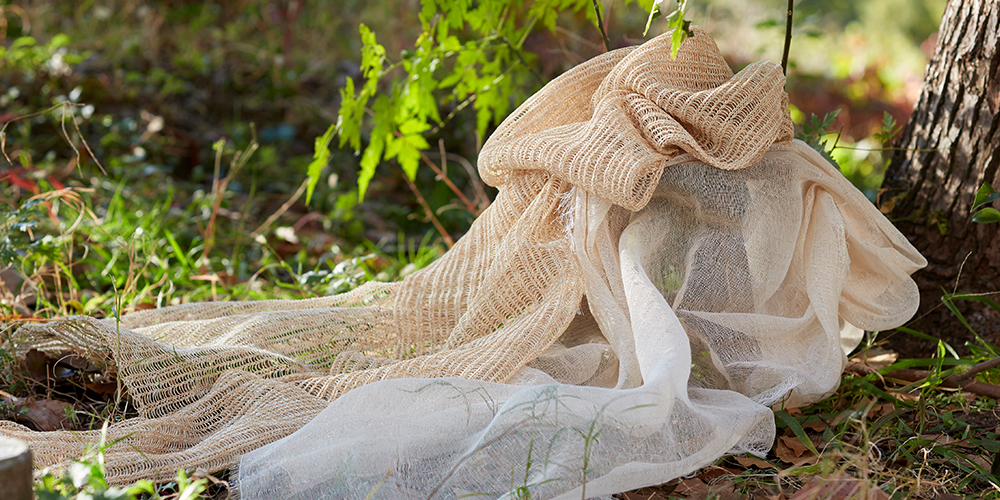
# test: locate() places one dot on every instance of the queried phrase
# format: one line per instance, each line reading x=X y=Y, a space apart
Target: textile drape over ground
x=662 y=264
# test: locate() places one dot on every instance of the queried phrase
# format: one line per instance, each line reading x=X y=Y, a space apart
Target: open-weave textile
x=661 y=265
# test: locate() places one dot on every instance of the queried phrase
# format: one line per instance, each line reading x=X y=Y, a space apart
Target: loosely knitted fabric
x=662 y=264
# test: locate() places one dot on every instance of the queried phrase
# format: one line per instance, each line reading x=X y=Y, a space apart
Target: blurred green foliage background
x=186 y=127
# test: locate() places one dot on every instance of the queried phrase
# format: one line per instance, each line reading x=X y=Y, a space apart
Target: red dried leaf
x=795 y=455
x=754 y=462
x=818 y=426
x=692 y=488
x=102 y=387
x=710 y=474
x=793 y=443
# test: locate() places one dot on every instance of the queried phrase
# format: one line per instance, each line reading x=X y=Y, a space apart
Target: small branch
x=916 y=150
x=979 y=368
x=975 y=387
x=460 y=107
x=451 y=185
x=430 y=213
x=788 y=37
x=482 y=201
x=600 y=26
x=954 y=381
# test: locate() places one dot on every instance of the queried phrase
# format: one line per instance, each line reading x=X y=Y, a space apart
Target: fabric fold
x=648 y=108
x=661 y=266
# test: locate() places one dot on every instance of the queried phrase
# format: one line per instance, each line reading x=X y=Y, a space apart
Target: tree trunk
x=15 y=470
x=950 y=146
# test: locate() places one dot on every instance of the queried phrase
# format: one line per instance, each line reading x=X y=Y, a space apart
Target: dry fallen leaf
x=659 y=492
x=904 y=396
x=876 y=358
x=642 y=494
x=692 y=488
x=77 y=362
x=36 y=363
x=793 y=443
x=881 y=409
x=47 y=414
x=818 y=426
x=948 y=496
x=102 y=386
x=696 y=489
x=839 y=488
x=755 y=462
x=724 y=490
x=714 y=472
x=790 y=450
x=941 y=439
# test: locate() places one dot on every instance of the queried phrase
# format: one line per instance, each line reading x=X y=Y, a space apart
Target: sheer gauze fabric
x=661 y=266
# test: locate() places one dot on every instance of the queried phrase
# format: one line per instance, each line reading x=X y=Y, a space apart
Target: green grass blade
x=793 y=424
x=921 y=335
x=947 y=299
x=978 y=298
x=177 y=249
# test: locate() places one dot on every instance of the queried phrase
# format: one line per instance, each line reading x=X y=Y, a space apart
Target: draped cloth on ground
x=662 y=264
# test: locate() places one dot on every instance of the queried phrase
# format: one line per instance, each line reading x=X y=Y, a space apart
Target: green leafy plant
x=675 y=21
x=888 y=130
x=468 y=53
x=483 y=72
x=814 y=132
x=864 y=170
x=14 y=226
x=984 y=196
x=27 y=54
x=85 y=479
x=159 y=239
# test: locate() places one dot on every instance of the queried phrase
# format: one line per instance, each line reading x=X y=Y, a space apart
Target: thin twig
x=219 y=188
x=914 y=150
x=461 y=461
x=788 y=37
x=87 y=145
x=451 y=185
x=444 y=157
x=517 y=53
x=482 y=200
x=430 y=213
x=281 y=211
x=600 y=26
x=62 y=126
x=579 y=39
x=460 y=107
x=975 y=387
x=959 y=276
x=3 y=128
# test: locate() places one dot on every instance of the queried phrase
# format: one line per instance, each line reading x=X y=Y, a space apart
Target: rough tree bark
x=950 y=146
